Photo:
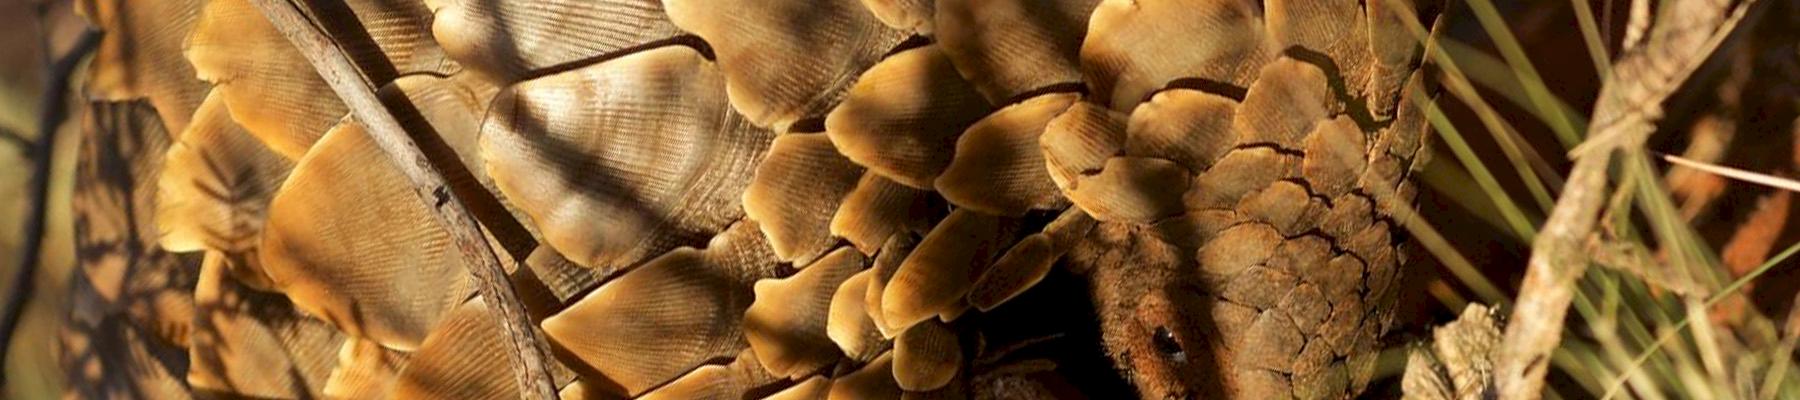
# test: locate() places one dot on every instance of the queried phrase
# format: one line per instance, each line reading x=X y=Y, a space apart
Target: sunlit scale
x=800 y=199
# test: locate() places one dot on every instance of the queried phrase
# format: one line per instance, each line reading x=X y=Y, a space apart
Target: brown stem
x=51 y=113
x=25 y=145
x=1558 y=258
x=527 y=355
x=1630 y=103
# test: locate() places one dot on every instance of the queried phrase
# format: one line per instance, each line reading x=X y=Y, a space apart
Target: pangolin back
x=749 y=198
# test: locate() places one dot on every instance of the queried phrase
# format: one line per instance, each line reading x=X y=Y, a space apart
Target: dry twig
x=527 y=355
x=50 y=115
x=25 y=145
x=1629 y=104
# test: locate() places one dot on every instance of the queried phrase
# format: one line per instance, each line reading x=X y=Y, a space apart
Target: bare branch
x=50 y=115
x=527 y=356
x=1629 y=104
x=25 y=145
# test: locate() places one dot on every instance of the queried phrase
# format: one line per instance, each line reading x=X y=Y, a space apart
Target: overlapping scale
x=1079 y=142
x=1336 y=153
x=461 y=359
x=1336 y=29
x=938 y=273
x=508 y=41
x=140 y=56
x=999 y=166
x=849 y=324
x=914 y=16
x=1237 y=174
x=1190 y=127
x=879 y=208
x=813 y=388
x=364 y=370
x=1128 y=53
x=270 y=88
x=385 y=38
x=379 y=266
x=786 y=60
x=565 y=279
x=1009 y=48
x=736 y=380
x=114 y=198
x=787 y=324
x=1132 y=189
x=666 y=317
x=621 y=161
x=887 y=262
x=215 y=187
x=874 y=380
x=255 y=344
x=926 y=357
x=1022 y=267
x=452 y=107
x=796 y=193
x=902 y=118
x=1288 y=98
x=1070 y=228
x=444 y=116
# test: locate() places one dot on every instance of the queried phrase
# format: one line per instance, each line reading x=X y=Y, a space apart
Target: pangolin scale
x=752 y=198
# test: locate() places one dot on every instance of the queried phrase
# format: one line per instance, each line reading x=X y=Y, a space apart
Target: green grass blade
x=1426 y=235
x=1590 y=34
x=1711 y=301
x=1509 y=47
x=1510 y=211
x=1489 y=72
x=1452 y=182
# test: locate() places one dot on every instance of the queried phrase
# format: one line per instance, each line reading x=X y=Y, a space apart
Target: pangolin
x=750 y=198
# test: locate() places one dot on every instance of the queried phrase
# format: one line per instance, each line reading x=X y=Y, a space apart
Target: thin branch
x=1629 y=104
x=527 y=353
x=50 y=115
x=25 y=145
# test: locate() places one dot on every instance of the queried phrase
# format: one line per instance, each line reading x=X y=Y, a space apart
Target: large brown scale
x=750 y=198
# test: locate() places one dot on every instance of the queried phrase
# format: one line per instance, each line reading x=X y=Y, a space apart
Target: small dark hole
x=1166 y=343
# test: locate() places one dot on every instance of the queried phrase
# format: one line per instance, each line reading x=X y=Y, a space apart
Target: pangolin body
x=745 y=199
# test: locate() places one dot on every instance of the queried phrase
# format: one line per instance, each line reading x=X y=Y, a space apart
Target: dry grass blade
x=527 y=356
x=1738 y=174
